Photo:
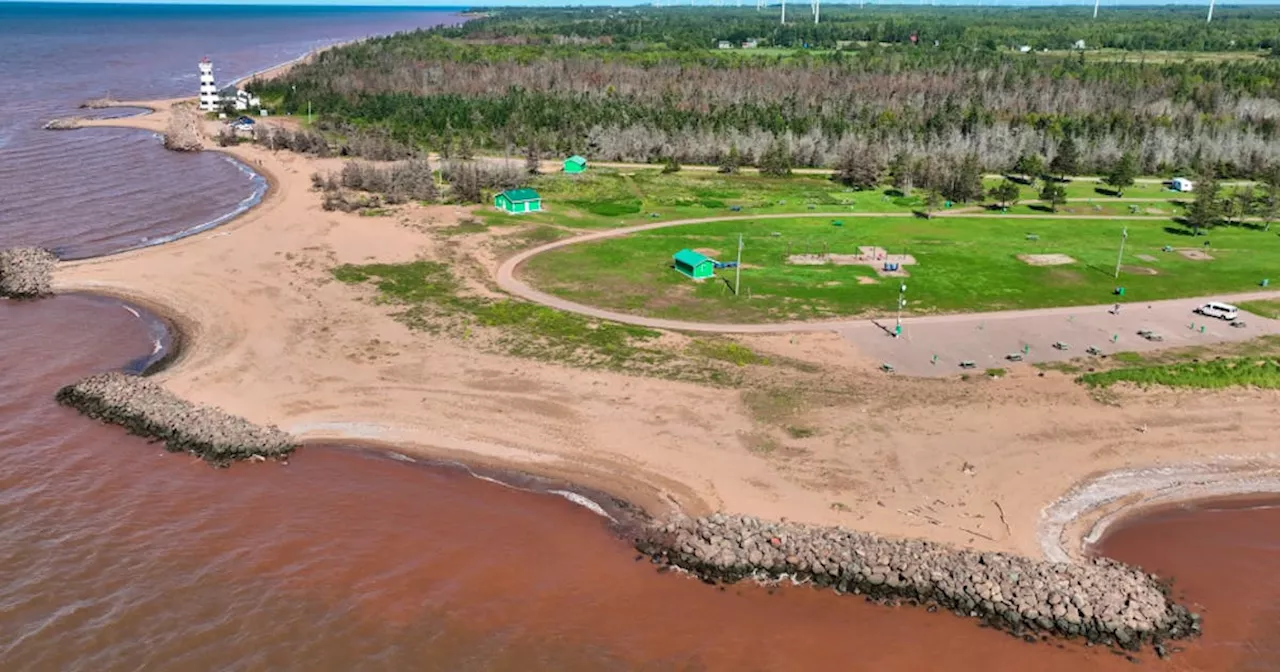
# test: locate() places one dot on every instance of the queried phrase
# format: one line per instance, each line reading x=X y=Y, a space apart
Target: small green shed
x=575 y=164
x=517 y=201
x=694 y=265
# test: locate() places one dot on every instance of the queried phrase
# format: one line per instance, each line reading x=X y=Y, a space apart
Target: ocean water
x=115 y=555
x=93 y=191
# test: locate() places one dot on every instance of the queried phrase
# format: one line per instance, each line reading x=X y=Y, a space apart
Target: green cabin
x=517 y=201
x=694 y=265
x=575 y=164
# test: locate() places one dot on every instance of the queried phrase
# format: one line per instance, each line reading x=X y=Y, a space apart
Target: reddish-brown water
x=116 y=555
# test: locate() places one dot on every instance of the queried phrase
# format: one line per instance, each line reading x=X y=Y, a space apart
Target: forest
x=905 y=85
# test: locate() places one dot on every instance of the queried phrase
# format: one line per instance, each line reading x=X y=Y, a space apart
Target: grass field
x=964 y=265
x=610 y=198
x=1268 y=308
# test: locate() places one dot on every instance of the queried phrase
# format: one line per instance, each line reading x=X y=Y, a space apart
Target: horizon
x=419 y=4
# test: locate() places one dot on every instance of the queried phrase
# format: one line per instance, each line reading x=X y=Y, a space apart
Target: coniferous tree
x=1006 y=193
x=1030 y=166
x=1123 y=173
x=1269 y=204
x=776 y=161
x=1067 y=160
x=533 y=159
x=1206 y=210
x=900 y=173
x=858 y=169
x=732 y=161
x=1054 y=194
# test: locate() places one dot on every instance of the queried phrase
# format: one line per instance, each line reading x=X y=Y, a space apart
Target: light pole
x=1124 y=235
x=902 y=301
x=737 y=269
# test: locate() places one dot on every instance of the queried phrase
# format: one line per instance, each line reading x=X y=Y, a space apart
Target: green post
x=1115 y=337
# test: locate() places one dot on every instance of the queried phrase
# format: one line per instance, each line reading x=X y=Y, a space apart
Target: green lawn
x=608 y=198
x=1268 y=308
x=964 y=265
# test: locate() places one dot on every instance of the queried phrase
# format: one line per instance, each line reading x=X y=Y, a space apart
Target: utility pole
x=1123 y=237
x=737 y=270
x=308 y=113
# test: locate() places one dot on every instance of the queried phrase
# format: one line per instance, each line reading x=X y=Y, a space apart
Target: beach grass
x=1228 y=372
x=963 y=264
x=430 y=298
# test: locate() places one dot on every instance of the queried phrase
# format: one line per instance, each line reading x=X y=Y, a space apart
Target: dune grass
x=1229 y=372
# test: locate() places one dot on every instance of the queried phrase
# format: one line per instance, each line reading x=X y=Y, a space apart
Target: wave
x=253 y=199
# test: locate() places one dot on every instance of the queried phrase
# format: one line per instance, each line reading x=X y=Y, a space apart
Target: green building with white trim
x=518 y=201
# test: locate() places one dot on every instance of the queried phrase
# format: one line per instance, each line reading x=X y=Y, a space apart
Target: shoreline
x=387 y=415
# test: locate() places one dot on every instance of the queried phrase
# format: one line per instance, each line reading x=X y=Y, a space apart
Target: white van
x=1222 y=311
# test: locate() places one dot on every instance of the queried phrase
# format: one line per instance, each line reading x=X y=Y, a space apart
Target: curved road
x=508 y=282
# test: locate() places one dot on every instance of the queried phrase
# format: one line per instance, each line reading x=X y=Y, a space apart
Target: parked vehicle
x=1222 y=311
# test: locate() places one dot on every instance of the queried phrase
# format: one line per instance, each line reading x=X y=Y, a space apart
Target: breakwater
x=147 y=409
x=26 y=272
x=1103 y=601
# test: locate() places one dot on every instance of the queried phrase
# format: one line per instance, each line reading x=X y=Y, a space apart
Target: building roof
x=690 y=258
x=576 y=159
x=518 y=195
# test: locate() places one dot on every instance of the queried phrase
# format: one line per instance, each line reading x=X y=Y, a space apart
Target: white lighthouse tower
x=208 y=90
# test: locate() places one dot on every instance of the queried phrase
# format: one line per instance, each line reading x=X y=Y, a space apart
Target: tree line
x=520 y=78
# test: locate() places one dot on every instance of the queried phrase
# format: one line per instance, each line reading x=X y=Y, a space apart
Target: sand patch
x=708 y=252
x=875 y=257
x=1195 y=255
x=864 y=280
x=1145 y=257
x=1139 y=270
x=1046 y=259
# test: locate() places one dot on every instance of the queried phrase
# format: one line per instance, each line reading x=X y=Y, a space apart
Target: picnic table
x=886 y=367
x=967 y=364
x=1061 y=346
x=1093 y=351
x=1014 y=357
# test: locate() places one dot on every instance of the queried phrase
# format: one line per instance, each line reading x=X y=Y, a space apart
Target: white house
x=1182 y=184
x=1079 y=45
x=239 y=98
x=1024 y=49
x=208 y=90
x=724 y=44
x=750 y=44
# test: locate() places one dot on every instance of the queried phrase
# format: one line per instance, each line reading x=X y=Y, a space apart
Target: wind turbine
x=1210 y=12
x=784 y=12
x=1095 y=8
x=817 y=9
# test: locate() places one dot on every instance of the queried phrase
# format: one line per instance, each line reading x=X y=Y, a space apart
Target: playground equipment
x=1093 y=351
x=1059 y=345
x=891 y=266
x=1150 y=335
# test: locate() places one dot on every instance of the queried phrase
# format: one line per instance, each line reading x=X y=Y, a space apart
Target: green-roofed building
x=575 y=164
x=518 y=201
x=694 y=265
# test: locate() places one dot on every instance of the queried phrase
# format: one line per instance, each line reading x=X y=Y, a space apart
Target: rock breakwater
x=147 y=409
x=1104 y=601
x=26 y=272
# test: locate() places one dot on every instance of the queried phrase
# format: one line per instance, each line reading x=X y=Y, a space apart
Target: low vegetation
x=1268 y=308
x=1230 y=372
x=430 y=298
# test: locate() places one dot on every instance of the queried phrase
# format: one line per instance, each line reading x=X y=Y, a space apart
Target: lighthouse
x=208 y=90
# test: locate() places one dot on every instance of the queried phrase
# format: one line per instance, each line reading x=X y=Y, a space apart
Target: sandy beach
x=270 y=335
